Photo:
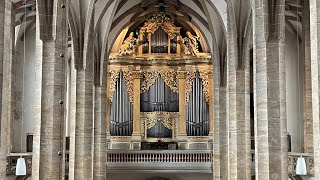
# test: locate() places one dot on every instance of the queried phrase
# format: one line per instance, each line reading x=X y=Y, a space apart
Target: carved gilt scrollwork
x=147 y=79
x=161 y=21
x=204 y=76
x=128 y=78
x=114 y=75
x=190 y=75
x=150 y=119
x=170 y=78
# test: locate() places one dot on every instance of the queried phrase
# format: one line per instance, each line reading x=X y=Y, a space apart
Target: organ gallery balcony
x=162 y=160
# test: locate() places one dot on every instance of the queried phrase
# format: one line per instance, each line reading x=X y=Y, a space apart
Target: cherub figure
x=127 y=47
x=191 y=44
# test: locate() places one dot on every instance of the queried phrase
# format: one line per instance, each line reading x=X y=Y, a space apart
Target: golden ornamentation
x=127 y=47
x=128 y=78
x=167 y=122
x=170 y=78
x=190 y=44
x=122 y=138
x=198 y=138
x=204 y=75
x=114 y=75
x=136 y=74
x=147 y=79
x=190 y=75
x=181 y=74
x=160 y=21
x=149 y=120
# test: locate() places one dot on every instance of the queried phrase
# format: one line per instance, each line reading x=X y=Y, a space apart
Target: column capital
x=136 y=74
x=181 y=74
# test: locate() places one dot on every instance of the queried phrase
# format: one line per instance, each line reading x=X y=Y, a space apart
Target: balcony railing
x=176 y=156
x=163 y=161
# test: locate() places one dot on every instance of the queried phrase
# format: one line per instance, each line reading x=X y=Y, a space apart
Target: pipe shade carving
x=197 y=109
x=121 y=112
x=149 y=78
x=159 y=97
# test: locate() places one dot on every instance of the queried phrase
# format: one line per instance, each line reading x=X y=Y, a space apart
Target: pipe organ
x=160 y=88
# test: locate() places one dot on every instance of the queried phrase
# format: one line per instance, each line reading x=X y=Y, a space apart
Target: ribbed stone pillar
x=84 y=122
x=271 y=150
x=216 y=121
x=238 y=105
x=315 y=74
x=231 y=102
x=6 y=58
x=223 y=134
x=72 y=117
x=99 y=162
x=48 y=134
x=308 y=129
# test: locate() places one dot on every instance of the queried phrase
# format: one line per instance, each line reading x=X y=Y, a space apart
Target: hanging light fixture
x=21 y=169
x=301 y=167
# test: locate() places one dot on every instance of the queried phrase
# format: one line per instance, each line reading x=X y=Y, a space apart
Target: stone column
x=223 y=134
x=271 y=149
x=182 y=128
x=7 y=17
x=72 y=117
x=99 y=162
x=136 y=134
x=308 y=129
x=238 y=105
x=84 y=122
x=315 y=68
x=231 y=101
x=48 y=133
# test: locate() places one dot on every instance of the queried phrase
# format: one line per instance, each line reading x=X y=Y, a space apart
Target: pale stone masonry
x=84 y=123
x=223 y=134
x=315 y=68
x=271 y=151
x=99 y=165
x=238 y=100
x=308 y=130
x=50 y=80
x=7 y=47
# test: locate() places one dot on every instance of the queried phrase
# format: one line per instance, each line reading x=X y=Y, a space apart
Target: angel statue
x=127 y=47
x=191 y=44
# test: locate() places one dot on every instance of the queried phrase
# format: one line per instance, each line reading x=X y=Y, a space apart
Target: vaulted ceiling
x=107 y=18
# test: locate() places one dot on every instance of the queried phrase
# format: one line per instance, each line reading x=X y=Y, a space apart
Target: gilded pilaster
x=136 y=134
x=210 y=80
x=182 y=130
